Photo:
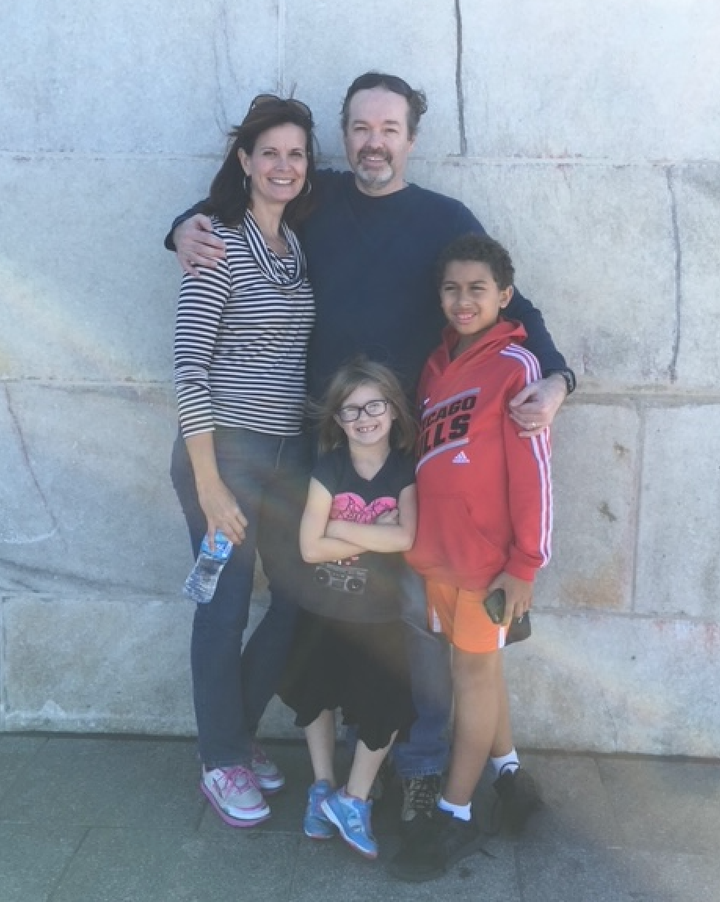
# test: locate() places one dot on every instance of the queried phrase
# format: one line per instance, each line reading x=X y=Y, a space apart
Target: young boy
x=484 y=521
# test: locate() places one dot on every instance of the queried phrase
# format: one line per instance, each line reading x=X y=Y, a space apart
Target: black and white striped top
x=241 y=337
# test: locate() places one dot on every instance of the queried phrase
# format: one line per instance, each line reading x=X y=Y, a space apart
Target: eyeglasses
x=372 y=409
x=263 y=99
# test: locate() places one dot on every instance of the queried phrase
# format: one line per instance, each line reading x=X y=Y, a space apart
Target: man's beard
x=376 y=178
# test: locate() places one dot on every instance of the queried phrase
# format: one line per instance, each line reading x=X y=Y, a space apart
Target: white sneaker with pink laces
x=268 y=776
x=233 y=793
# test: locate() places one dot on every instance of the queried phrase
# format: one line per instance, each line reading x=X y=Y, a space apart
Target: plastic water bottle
x=203 y=579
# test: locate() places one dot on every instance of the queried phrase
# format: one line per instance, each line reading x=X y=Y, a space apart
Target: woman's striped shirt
x=241 y=337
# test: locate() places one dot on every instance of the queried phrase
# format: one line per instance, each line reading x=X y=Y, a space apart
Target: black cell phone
x=495 y=605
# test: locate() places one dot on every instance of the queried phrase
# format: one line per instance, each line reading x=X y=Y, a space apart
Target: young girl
x=349 y=650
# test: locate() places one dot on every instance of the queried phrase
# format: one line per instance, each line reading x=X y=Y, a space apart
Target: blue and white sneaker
x=352 y=818
x=315 y=824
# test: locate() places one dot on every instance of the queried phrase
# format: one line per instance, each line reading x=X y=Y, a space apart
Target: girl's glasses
x=372 y=409
x=262 y=99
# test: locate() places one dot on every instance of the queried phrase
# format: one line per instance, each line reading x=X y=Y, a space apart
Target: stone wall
x=585 y=137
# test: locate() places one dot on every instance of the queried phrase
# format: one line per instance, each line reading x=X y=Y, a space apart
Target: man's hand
x=196 y=245
x=535 y=406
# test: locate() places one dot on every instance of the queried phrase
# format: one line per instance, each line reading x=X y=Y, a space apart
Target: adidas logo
x=461 y=458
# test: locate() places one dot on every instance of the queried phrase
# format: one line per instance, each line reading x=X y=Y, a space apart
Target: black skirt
x=360 y=668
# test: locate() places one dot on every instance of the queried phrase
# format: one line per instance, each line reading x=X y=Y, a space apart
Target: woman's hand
x=196 y=245
x=222 y=512
x=218 y=503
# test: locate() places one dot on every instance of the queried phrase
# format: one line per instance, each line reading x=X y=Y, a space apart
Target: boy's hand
x=536 y=405
x=196 y=245
x=518 y=596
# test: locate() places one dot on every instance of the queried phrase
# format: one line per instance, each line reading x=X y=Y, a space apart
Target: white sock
x=463 y=812
x=509 y=762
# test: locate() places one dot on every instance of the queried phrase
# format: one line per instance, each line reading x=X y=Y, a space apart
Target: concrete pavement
x=120 y=819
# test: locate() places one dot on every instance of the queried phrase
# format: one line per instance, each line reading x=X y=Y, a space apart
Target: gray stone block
x=322 y=867
x=15 y=751
x=123 y=783
x=618 y=81
x=696 y=190
x=595 y=472
x=678 y=571
x=33 y=859
x=670 y=877
x=576 y=810
x=95 y=299
x=605 y=281
x=115 y=80
x=641 y=793
x=403 y=46
x=88 y=665
x=90 y=489
x=586 y=681
x=593 y=875
x=117 y=865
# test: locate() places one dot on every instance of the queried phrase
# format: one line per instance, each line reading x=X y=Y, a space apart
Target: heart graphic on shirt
x=351 y=507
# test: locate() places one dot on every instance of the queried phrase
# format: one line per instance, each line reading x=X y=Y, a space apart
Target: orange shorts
x=460 y=615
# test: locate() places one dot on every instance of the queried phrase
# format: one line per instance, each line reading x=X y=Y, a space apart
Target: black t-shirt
x=371 y=262
x=365 y=589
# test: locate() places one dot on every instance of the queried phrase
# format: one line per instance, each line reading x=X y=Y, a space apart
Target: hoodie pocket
x=449 y=539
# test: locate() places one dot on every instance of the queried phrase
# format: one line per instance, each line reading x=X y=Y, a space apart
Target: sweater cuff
x=520 y=569
x=568 y=375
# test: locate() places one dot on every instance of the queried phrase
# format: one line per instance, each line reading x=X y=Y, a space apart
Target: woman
x=240 y=461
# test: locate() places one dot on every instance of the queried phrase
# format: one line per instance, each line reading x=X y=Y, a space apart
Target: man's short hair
x=477 y=249
x=417 y=101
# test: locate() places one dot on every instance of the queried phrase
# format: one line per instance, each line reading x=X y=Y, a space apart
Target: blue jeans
x=427 y=750
x=231 y=685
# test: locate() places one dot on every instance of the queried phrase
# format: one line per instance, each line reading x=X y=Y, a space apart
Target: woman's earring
x=247 y=182
x=307 y=188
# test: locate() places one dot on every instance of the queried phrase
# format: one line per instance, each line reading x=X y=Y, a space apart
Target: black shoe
x=382 y=781
x=420 y=798
x=430 y=852
x=519 y=797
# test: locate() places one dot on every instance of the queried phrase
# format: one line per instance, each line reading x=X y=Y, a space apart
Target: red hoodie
x=484 y=493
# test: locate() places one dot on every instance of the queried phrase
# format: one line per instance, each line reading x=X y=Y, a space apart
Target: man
x=371 y=245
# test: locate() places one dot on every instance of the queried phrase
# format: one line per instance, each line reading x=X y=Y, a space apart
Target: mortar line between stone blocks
x=608 y=795
x=519 y=875
x=281 y=58
x=677 y=247
x=172 y=156
x=25 y=452
x=221 y=49
x=638 y=484
x=57 y=885
x=459 y=78
x=293 y=879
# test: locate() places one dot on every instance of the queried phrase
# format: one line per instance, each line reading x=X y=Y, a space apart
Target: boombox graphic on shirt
x=341 y=578
x=345 y=576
